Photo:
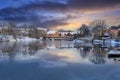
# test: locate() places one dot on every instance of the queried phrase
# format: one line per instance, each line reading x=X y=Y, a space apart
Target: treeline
x=10 y=28
x=96 y=27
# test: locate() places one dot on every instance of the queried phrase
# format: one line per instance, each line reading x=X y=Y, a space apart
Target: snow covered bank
x=27 y=39
x=22 y=39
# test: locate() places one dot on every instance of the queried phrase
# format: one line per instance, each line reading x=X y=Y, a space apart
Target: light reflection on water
x=52 y=52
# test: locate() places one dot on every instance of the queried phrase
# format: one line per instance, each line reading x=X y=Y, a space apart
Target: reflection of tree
x=9 y=50
x=13 y=49
x=34 y=47
x=98 y=55
x=84 y=51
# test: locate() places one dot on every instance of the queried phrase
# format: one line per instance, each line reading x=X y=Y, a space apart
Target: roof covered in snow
x=39 y=28
x=51 y=32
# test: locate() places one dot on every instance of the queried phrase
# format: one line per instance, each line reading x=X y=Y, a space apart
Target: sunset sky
x=60 y=14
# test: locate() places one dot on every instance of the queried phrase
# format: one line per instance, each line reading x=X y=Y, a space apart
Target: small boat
x=78 y=42
x=95 y=42
x=3 y=38
x=114 y=54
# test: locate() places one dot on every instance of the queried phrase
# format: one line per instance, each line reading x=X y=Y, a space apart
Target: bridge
x=59 y=38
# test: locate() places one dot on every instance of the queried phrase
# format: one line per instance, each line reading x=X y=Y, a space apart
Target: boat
x=78 y=42
x=114 y=53
x=95 y=42
x=3 y=38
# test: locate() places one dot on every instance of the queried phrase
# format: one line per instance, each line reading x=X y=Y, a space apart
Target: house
x=67 y=33
x=53 y=33
x=103 y=34
x=114 y=33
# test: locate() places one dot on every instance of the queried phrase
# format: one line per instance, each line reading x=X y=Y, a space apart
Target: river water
x=56 y=60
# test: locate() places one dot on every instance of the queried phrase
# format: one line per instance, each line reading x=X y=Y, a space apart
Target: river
x=55 y=60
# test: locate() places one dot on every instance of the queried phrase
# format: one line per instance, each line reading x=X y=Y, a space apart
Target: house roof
x=51 y=32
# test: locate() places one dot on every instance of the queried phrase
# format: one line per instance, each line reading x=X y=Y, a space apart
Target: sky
x=60 y=14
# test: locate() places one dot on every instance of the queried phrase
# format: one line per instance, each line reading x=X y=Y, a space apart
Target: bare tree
x=84 y=30
x=12 y=29
x=98 y=25
x=33 y=32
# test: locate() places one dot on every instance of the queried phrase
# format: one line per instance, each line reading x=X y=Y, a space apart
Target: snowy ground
x=23 y=39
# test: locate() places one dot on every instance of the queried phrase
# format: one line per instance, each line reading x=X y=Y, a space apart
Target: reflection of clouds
x=27 y=52
x=97 y=55
x=59 y=44
x=52 y=58
x=53 y=53
x=65 y=55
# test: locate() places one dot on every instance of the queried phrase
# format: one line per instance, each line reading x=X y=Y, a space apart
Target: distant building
x=53 y=33
x=115 y=33
x=66 y=33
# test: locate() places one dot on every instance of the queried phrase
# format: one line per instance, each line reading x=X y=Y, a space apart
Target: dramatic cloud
x=93 y=4
x=59 y=14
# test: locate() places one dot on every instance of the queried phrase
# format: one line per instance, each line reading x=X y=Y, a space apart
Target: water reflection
x=98 y=55
x=53 y=52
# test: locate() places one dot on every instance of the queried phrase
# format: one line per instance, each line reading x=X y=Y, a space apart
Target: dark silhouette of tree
x=84 y=30
x=119 y=33
x=35 y=32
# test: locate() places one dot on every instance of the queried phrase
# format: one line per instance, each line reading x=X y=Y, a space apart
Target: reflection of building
x=59 y=44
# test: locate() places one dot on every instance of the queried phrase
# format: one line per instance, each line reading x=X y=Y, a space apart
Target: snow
x=27 y=39
x=11 y=39
x=51 y=47
x=51 y=32
x=97 y=42
x=114 y=52
x=40 y=28
x=107 y=41
x=78 y=41
x=114 y=42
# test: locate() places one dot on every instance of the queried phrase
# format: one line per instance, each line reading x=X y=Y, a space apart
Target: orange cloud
x=73 y=24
